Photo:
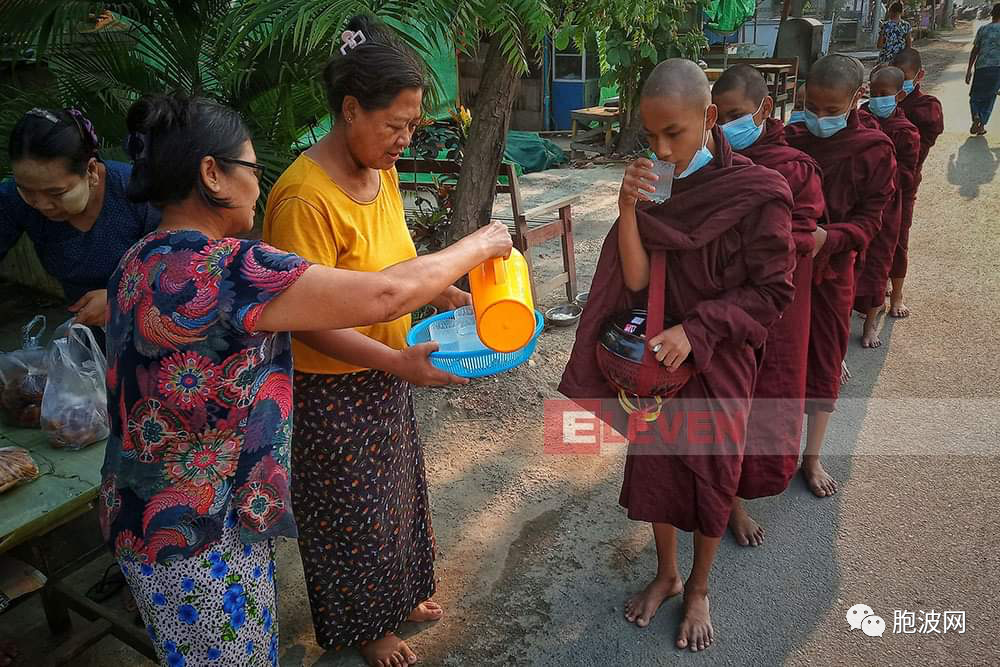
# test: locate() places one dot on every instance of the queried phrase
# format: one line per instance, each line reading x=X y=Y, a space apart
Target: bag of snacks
x=74 y=408
x=22 y=378
x=16 y=467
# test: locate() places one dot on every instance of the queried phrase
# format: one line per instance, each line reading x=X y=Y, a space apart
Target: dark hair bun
x=169 y=137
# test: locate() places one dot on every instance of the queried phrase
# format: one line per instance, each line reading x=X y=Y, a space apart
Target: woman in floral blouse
x=196 y=475
x=895 y=34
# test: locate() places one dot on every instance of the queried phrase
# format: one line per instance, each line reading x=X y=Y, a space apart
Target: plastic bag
x=22 y=378
x=75 y=405
x=16 y=467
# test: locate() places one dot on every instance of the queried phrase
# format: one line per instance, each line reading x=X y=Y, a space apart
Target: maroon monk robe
x=859 y=168
x=726 y=233
x=774 y=429
x=870 y=283
x=925 y=112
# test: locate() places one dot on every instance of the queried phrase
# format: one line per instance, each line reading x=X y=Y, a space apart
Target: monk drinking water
x=774 y=429
x=883 y=110
x=925 y=112
x=721 y=245
x=859 y=171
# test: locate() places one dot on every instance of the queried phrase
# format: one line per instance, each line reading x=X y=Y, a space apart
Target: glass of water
x=665 y=171
x=445 y=334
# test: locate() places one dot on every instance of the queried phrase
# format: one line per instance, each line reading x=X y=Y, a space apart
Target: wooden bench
x=529 y=227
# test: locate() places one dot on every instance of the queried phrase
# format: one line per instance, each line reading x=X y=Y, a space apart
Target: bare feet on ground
x=820 y=483
x=897 y=308
x=641 y=607
x=390 y=651
x=696 y=631
x=869 y=338
x=8 y=653
x=747 y=532
x=426 y=612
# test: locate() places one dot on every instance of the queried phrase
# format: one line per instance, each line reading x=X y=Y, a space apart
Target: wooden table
x=590 y=139
x=780 y=78
x=67 y=488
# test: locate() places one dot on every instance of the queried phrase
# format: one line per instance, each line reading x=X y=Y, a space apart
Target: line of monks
x=771 y=236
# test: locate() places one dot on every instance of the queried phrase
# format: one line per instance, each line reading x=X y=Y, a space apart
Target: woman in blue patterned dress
x=894 y=35
x=72 y=205
x=196 y=474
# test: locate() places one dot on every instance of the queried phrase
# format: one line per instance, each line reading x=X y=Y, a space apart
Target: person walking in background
x=985 y=62
x=894 y=35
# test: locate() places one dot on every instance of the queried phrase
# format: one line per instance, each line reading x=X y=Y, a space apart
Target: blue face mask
x=743 y=131
x=700 y=159
x=883 y=107
x=908 y=86
x=825 y=127
x=797 y=117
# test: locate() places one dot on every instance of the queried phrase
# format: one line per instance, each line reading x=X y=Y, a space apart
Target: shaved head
x=681 y=79
x=889 y=77
x=743 y=79
x=838 y=73
x=908 y=60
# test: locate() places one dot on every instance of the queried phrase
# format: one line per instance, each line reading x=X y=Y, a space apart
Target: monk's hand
x=639 y=179
x=91 y=309
x=820 y=236
x=671 y=347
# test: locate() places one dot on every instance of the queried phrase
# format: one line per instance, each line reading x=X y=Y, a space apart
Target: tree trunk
x=484 y=148
x=629 y=130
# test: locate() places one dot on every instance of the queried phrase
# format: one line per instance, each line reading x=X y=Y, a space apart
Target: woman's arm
x=357 y=349
x=327 y=298
x=972 y=63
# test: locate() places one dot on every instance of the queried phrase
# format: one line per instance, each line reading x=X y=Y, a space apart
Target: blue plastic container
x=473 y=363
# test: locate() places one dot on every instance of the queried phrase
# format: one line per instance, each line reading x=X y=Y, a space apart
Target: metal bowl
x=423 y=313
x=564 y=315
x=581 y=298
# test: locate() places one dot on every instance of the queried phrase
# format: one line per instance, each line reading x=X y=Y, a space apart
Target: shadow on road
x=974 y=165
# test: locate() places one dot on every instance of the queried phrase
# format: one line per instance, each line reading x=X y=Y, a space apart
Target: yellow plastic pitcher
x=501 y=297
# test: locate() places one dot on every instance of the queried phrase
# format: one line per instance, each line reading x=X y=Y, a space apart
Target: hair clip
x=85 y=126
x=137 y=146
x=42 y=113
x=352 y=40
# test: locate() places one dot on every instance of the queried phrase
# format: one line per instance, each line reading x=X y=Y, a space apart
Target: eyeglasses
x=258 y=169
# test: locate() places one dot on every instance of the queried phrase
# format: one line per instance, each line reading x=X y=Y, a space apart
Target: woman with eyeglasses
x=72 y=205
x=196 y=475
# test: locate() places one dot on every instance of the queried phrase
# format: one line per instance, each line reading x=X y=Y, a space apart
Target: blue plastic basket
x=474 y=363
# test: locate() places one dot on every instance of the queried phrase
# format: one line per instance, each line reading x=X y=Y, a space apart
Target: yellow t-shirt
x=308 y=214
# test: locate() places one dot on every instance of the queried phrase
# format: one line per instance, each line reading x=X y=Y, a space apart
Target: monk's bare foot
x=390 y=651
x=8 y=653
x=641 y=607
x=426 y=612
x=696 y=631
x=870 y=338
x=747 y=532
x=820 y=483
x=845 y=372
x=898 y=309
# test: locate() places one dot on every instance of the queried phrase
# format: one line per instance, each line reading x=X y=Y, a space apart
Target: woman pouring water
x=359 y=487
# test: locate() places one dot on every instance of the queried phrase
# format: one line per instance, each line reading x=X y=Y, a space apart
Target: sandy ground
x=535 y=556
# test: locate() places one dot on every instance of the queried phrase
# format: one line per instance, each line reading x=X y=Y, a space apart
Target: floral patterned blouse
x=895 y=33
x=200 y=401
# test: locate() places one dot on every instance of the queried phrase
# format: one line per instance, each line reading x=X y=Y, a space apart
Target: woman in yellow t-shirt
x=358 y=487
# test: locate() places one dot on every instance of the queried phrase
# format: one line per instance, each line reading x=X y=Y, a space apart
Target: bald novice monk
x=774 y=430
x=724 y=237
x=886 y=93
x=925 y=112
x=859 y=171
